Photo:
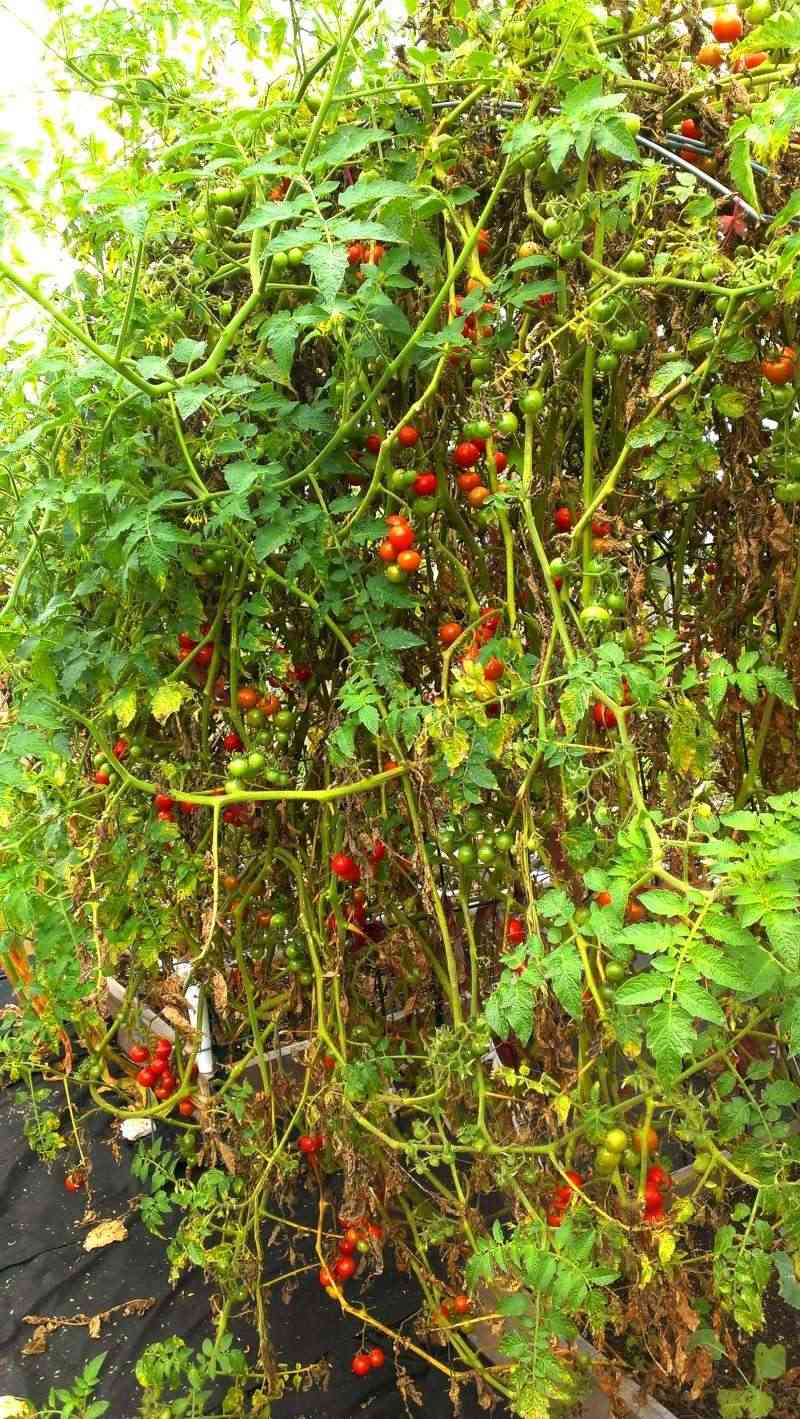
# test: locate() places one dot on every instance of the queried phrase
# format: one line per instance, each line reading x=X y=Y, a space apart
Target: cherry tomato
x=247 y=698
x=466 y=454
x=386 y=551
x=461 y=1304
x=401 y=537
x=635 y=911
x=163 y=1047
x=407 y=436
x=562 y=519
x=478 y=495
x=325 y=1277
x=779 y=371
x=603 y=899
x=749 y=61
x=424 y=485
x=639 y=1140
x=343 y=866
x=710 y=56
x=186 y=1108
x=372 y=443
x=345 y=1267
x=727 y=27
x=360 y=1364
x=157 y=1067
x=378 y=851
x=409 y=562
x=355 y=254
x=73 y=1182
x=554 y=1219
x=659 y=1176
x=449 y=631
x=690 y=129
x=494 y=669
x=652 y=1195
x=516 y=931
x=616 y=1140
x=231 y=743
x=163 y=803
x=306 y=1144
x=139 y=1054
x=146 y=1078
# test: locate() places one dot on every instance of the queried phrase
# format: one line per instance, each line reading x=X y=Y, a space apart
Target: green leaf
x=770 y=1361
x=788 y=1284
x=345 y=143
x=667 y=374
x=565 y=973
x=670 y=1037
x=168 y=699
x=186 y=351
x=719 y=968
x=269 y=212
x=698 y=1002
x=729 y=401
x=690 y=740
x=641 y=989
x=611 y=136
x=741 y=170
x=662 y=903
x=328 y=265
x=189 y=399
x=153 y=367
x=375 y=192
x=783 y=931
x=398 y=638
x=787 y=213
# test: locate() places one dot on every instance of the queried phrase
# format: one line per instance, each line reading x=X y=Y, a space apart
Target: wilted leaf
x=105 y=1233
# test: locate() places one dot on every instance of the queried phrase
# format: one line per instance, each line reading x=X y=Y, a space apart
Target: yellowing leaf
x=168 y=699
x=666 y=1248
x=124 y=707
x=105 y=1233
x=563 y=1104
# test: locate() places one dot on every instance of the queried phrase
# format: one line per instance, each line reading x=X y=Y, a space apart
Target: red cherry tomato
x=146 y=1078
x=690 y=129
x=73 y=1182
x=163 y=1047
x=378 y=852
x=343 y=866
x=139 y=1054
x=562 y=519
x=306 y=1144
x=466 y=454
x=186 y=1108
x=407 y=436
x=494 y=669
x=603 y=899
x=401 y=537
x=461 y=1304
x=376 y=1358
x=360 y=1365
x=163 y=803
x=424 y=485
x=232 y=743
x=449 y=631
x=727 y=27
x=344 y=1268
x=516 y=931
x=372 y=443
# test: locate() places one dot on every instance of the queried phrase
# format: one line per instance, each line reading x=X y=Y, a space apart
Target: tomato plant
x=400 y=590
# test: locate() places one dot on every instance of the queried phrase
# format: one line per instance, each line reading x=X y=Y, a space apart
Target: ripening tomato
x=635 y=911
x=386 y=551
x=378 y=851
x=468 y=481
x=650 y=1140
x=401 y=537
x=516 y=931
x=186 y=1108
x=360 y=1364
x=710 y=56
x=603 y=899
x=449 y=631
x=163 y=803
x=101 y=777
x=484 y=242
x=247 y=698
x=494 y=669
x=73 y=1182
x=478 y=495
x=306 y=1144
x=138 y=1054
x=466 y=454
x=324 y=1277
x=562 y=519
x=424 y=485
x=690 y=129
x=407 y=436
x=355 y=253
x=779 y=371
x=749 y=61
x=727 y=27
x=658 y=1175
x=376 y=253
x=461 y=1304
x=345 y=1267
x=409 y=562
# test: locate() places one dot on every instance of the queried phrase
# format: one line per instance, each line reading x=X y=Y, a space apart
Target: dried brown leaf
x=114 y=1230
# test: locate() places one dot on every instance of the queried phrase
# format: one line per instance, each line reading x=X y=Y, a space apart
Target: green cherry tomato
x=624 y=341
x=594 y=614
x=616 y=1140
x=508 y=423
x=758 y=12
x=480 y=364
x=631 y=121
x=296 y=256
x=425 y=507
x=255 y=762
x=532 y=402
x=280 y=261
x=608 y=362
x=631 y=1160
x=552 y=229
x=615 y=972
x=447 y=839
x=605 y=1161
x=284 y=719
x=279 y=921
x=465 y=855
x=487 y=854
x=254 y=718
x=481 y=429
x=504 y=841
x=473 y=820
x=557 y=567
x=568 y=249
x=238 y=768
x=633 y=263
x=615 y=602
x=394 y=574
x=605 y=310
